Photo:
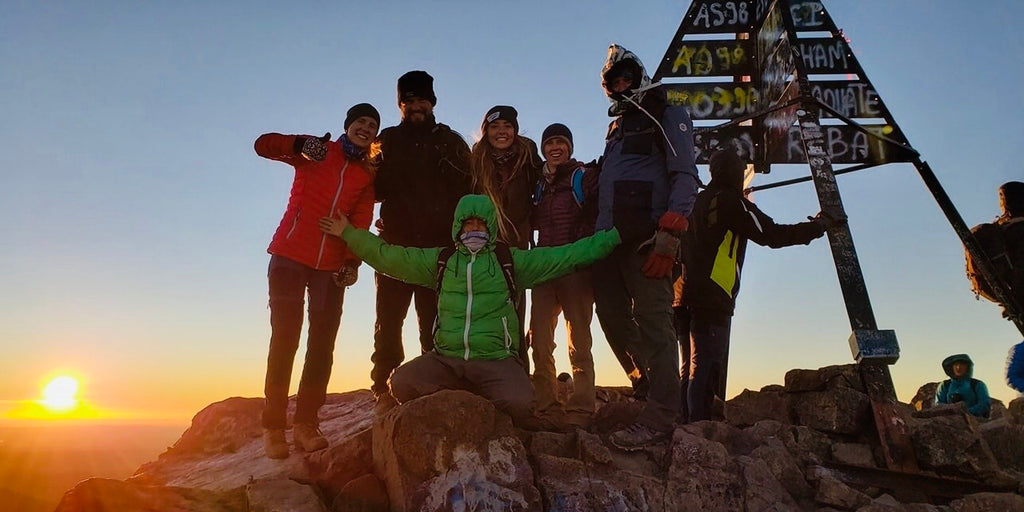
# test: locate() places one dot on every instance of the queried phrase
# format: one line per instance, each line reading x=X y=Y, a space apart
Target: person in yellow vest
x=714 y=245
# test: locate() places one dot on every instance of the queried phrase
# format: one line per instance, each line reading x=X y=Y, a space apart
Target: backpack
x=577 y=188
x=504 y=255
x=991 y=238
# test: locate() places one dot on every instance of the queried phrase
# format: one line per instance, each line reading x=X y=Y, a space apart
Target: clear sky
x=136 y=215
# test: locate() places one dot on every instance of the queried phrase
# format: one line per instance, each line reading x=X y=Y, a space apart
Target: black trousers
x=393 y=299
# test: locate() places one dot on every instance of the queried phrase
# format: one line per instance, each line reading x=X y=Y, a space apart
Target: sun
x=59 y=395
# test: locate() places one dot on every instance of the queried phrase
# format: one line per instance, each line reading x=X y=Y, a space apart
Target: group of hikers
x=464 y=231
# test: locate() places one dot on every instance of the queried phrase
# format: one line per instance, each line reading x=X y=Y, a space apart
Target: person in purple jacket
x=564 y=211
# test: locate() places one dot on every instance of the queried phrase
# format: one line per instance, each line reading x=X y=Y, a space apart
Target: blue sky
x=136 y=214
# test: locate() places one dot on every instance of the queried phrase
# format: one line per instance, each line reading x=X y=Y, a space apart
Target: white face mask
x=474 y=240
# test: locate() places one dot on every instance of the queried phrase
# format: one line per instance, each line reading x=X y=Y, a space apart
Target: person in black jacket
x=422 y=173
x=713 y=250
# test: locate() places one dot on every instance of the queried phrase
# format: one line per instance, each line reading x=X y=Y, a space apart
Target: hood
x=727 y=169
x=475 y=205
x=947 y=364
x=618 y=55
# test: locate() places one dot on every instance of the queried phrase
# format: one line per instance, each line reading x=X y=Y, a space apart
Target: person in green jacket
x=476 y=344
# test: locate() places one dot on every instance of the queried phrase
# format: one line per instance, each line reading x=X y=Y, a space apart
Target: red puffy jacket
x=336 y=185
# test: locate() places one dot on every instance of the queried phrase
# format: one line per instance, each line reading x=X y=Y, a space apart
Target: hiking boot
x=637 y=436
x=308 y=438
x=274 y=444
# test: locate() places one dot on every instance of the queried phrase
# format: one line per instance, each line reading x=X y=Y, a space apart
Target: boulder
x=105 y=495
x=282 y=495
x=452 y=450
x=750 y=407
x=839 y=410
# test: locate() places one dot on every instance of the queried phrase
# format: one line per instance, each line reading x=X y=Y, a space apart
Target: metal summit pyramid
x=777 y=80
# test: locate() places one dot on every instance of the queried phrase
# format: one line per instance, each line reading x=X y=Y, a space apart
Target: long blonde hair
x=485 y=177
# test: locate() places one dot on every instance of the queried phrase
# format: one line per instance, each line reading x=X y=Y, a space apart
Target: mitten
x=346 y=276
x=315 y=149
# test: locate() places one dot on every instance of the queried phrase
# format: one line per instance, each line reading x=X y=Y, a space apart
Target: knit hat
x=361 y=110
x=416 y=84
x=556 y=130
x=501 y=112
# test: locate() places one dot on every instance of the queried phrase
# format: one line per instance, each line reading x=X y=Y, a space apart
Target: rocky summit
x=810 y=444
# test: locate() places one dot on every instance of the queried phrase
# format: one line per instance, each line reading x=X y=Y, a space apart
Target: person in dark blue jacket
x=962 y=387
x=1015 y=367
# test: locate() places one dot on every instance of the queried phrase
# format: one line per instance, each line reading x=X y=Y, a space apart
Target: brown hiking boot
x=308 y=438
x=274 y=444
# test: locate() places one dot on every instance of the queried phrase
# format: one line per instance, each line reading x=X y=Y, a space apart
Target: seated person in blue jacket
x=962 y=387
x=475 y=345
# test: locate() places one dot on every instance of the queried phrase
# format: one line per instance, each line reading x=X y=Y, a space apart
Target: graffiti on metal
x=825 y=55
x=708 y=58
x=715 y=100
x=808 y=15
x=851 y=99
x=844 y=145
x=724 y=16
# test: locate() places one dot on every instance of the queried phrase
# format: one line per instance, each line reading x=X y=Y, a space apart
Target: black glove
x=827 y=220
x=347 y=276
x=313 y=148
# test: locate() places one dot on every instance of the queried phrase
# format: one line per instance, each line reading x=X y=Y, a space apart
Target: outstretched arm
x=412 y=265
x=542 y=264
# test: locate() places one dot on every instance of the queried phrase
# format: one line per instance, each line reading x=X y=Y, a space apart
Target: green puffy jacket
x=475 y=315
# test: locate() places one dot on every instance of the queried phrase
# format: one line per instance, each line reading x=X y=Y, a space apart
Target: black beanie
x=556 y=130
x=416 y=84
x=361 y=110
x=501 y=112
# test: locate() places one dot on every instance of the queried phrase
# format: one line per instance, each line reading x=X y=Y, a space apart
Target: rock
x=763 y=491
x=834 y=493
x=702 y=476
x=750 y=407
x=104 y=495
x=1015 y=411
x=840 y=410
x=364 y=494
x=569 y=485
x=223 y=449
x=988 y=502
x=827 y=378
x=784 y=468
x=925 y=397
x=1006 y=442
x=282 y=495
x=452 y=450
x=950 y=445
x=854 y=454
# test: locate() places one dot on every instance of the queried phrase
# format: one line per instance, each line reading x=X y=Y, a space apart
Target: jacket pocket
x=631 y=209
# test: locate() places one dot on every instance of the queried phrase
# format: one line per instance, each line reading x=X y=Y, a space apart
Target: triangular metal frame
x=780 y=69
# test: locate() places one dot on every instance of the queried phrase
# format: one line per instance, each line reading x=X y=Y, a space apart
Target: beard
x=418 y=117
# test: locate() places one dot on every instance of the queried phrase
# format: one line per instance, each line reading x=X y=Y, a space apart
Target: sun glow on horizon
x=60 y=394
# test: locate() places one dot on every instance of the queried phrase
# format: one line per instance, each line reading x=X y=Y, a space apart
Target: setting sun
x=59 y=395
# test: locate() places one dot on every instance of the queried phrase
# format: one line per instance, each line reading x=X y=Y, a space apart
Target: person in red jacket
x=332 y=178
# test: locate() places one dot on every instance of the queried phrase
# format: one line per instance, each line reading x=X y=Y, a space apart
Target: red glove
x=672 y=221
x=666 y=246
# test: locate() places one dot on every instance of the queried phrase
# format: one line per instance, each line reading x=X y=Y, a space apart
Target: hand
x=379 y=225
x=673 y=222
x=661 y=260
x=827 y=220
x=315 y=149
x=333 y=226
x=346 y=276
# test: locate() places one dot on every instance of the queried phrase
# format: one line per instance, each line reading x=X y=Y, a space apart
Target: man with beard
x=422 y=172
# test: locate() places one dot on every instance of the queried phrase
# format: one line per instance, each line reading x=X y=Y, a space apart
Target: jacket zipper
x=469 y=305
x=295 y=223
x=508 y=337
x=334 y=202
